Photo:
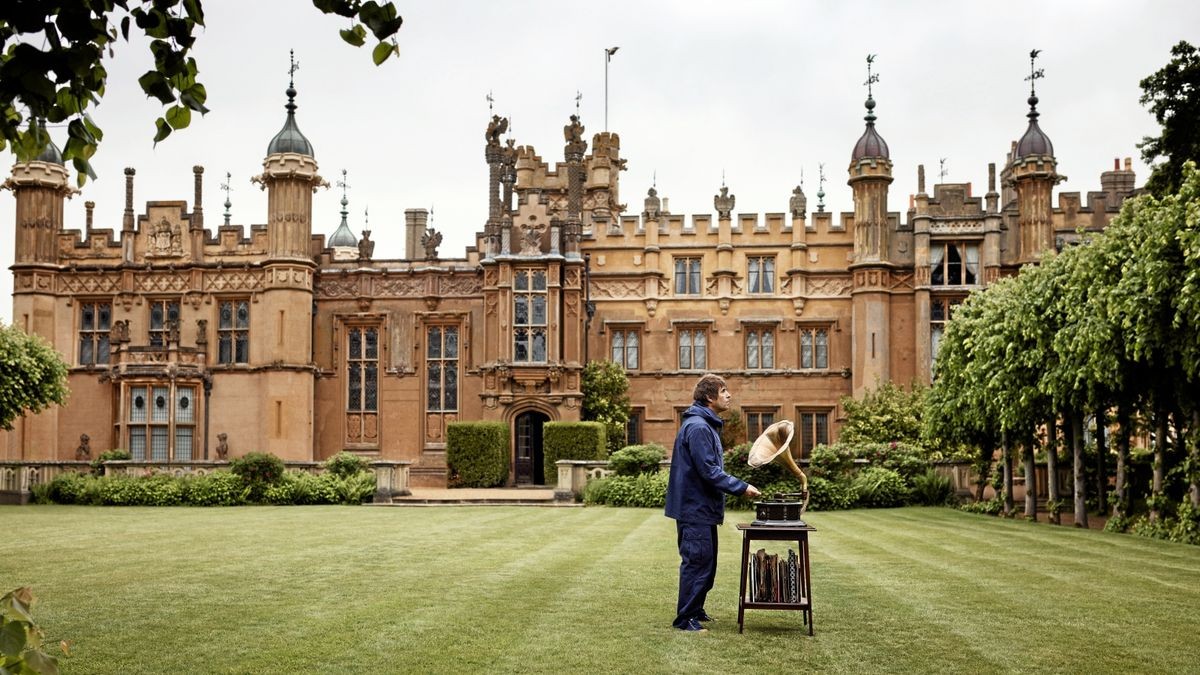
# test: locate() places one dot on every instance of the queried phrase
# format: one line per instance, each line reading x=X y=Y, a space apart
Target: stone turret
x=1033 y=173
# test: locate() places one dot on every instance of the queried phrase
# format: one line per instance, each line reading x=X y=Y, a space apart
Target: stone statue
x=573 y=132
x=430 y=242
x=495 y=129
x=798 y=203
x=201 y=332
x=84 y=451
x=652 y=204
x=724 y=202
x=222 y=445
x=172 y=332
x=366 y=247
x=119 y=333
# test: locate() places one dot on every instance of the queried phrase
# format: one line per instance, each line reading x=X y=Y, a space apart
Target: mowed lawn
x=512 y=589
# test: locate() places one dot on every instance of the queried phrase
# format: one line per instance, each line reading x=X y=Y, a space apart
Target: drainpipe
x=588 y=305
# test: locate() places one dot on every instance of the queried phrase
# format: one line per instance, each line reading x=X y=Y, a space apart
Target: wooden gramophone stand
x=798 y=534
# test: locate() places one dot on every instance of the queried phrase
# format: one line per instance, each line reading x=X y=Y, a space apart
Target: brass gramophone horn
x=773 y=445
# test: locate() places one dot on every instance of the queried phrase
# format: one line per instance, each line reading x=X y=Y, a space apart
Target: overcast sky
x=760 y=92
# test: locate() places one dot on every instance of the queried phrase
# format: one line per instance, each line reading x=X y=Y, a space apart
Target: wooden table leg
x=807 y=583
x=742 y=585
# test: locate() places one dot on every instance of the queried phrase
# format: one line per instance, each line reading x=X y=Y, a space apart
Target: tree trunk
x=1194 y=436
x=1006 y=449
x=1160 y=455
x=1030 y=481
x=1077 y=469
x=1052 y=471
x=986 y=452
x=1121 y=503
x=1101 y=458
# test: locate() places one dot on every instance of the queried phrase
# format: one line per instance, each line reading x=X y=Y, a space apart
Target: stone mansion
x=278 y=339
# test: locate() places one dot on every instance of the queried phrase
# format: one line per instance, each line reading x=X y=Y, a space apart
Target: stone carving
x=573 y=132
x=400 y=287
x=956 y=226
x=241 y=280
x=84 y=451
x=495 y=129
x=338 y=288
x=653 y=205
x=724 y=202
x=828 y=286
x=460 y=285
x=161 y=283
x=201 y=332
x=172 y=332
x=366 y=247
x=119 y=333
x=531 y=238
x=430 y=242
x=166 y=239
x=80 y=284
x=616 y=288
x=798 y=203
x=222 y=445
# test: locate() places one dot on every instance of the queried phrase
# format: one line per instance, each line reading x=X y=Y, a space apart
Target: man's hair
x=708 y=388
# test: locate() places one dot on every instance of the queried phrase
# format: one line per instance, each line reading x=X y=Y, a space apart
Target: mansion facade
x=189 y=343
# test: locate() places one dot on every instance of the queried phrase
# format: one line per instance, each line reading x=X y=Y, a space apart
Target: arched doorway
x=529 y=457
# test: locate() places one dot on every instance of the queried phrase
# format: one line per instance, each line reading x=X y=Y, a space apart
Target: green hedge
x=219 y=488
x=572 y=440
x=634 y=459
x=477 y=454
x=646 y=490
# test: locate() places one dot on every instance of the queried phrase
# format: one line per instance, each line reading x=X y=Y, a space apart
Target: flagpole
x=608 y=53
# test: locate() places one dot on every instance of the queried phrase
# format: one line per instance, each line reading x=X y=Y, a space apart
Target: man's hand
x=752 y=491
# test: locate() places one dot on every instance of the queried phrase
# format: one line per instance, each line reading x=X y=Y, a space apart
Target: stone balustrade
x=18 y=477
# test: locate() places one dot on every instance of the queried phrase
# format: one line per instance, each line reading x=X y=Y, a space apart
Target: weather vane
x=292 y=68
x=801 y=179
x=942 y=170
x=722 y=177
x=578 y=97
x=654 y=179
x=227 y=189
x=821 y=188
x=490 y=100
x=871 y=78
x=1035 y=74
x=344 y=185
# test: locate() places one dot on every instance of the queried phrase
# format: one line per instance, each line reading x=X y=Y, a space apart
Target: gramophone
x=784 y=508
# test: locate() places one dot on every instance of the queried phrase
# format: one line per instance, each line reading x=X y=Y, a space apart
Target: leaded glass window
x=164 y=315
x=362 y=369
x=625 y=347
x=954 y=263
x=441 y=366
x=693 y=348
x=760 y=347
x=760 y=274
x=687 y=276
x=233 y=332
x=530 y=314
x=814 y=348
x=95 y=320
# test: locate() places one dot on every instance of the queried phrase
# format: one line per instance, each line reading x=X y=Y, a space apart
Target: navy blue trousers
x=697 y=568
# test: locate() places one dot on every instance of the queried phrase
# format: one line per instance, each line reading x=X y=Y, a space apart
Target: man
x=695 y=497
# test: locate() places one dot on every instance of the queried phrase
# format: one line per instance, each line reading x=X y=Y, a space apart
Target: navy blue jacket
x=698 y=478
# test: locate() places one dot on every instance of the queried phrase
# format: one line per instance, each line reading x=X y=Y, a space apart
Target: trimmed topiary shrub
x=258 y=471
x=634 y=459
x=477 y=453
x=880 y=487
x=346 y=464
x=572 y=440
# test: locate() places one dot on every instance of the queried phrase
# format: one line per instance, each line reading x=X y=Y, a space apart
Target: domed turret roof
x=342 y=236
x=50 y=154
x=289 y=138
x=1035 y=141
x=870 y=145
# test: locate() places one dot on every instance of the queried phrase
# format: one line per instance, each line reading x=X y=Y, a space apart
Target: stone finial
x=495 y=129
x=88 y=207
x=724 y=202
x=921 y=179
x=653 y=205
x=798 y=204
x=430 y=242
x=222 y=445
x=366 y=247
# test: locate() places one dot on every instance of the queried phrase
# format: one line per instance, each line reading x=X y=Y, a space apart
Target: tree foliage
x=21 y=639
x=606 y=399
x=52 y=64
x=32 y=375
x=888 y=414
x=1173 y=96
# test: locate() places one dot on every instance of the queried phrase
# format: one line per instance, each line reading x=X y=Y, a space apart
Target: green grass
x=364 y=590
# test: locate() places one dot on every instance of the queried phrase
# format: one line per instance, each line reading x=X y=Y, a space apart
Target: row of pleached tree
x=1108 y=329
